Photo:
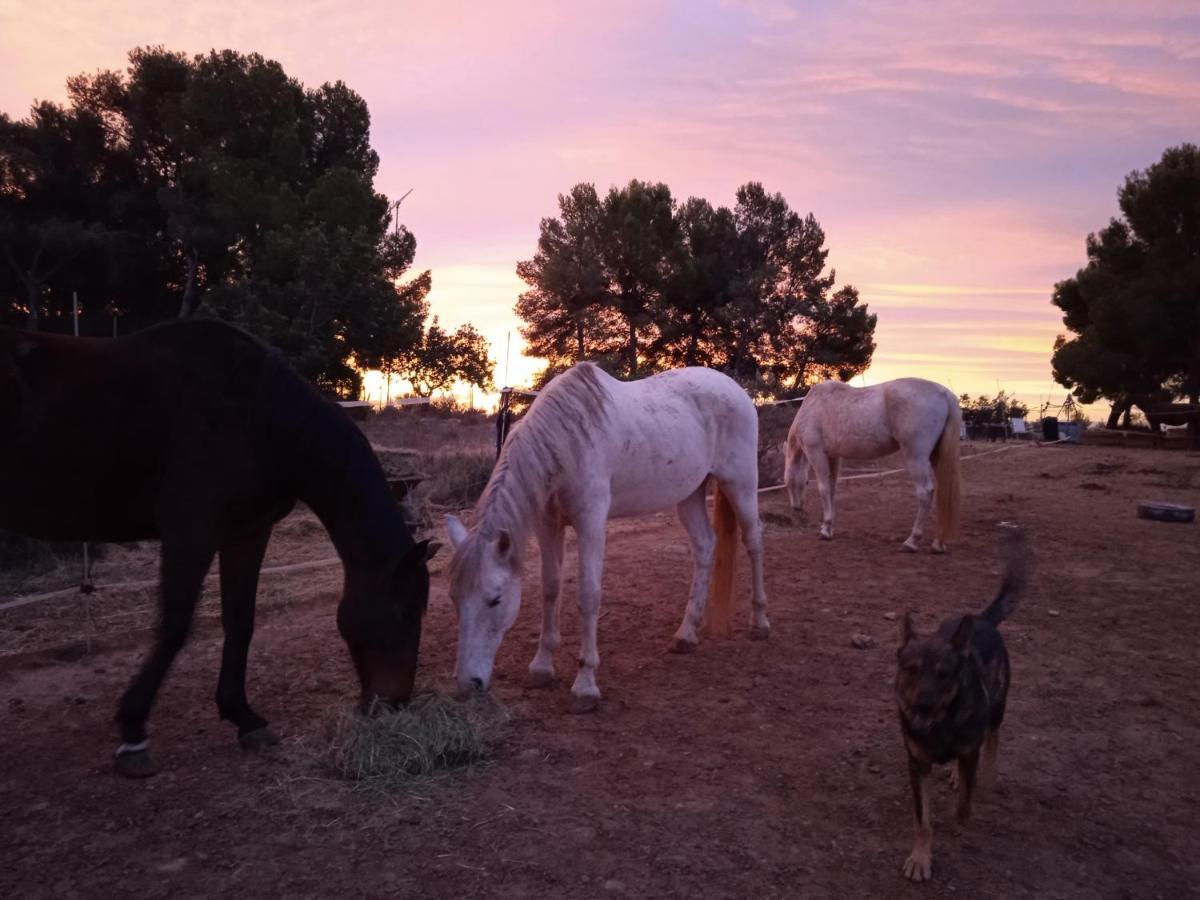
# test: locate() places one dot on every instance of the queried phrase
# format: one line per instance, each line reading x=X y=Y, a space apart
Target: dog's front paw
x=918 y=866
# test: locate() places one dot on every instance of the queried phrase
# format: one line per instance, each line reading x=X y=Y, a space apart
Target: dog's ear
x=962 y=634
x=907 y=631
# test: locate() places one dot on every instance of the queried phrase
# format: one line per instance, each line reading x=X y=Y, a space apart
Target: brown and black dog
x=951 y=688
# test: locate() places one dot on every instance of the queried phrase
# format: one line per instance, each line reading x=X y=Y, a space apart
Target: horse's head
x=380 y=620
x=485 y=585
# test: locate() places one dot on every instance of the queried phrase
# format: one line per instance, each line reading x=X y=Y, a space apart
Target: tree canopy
x=443 y=357
x=638 y=283
x=213 y=184
x=998 y=409
x=1133 y=312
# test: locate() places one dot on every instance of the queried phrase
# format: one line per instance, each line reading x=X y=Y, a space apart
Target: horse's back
x=93 y=427
x=872 y=421
x=670 y=431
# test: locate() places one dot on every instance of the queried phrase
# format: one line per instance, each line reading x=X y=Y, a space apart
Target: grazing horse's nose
x=477 y=683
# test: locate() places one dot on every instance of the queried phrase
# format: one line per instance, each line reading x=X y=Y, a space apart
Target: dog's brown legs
x=919 y=864
x=968 y=766
x=991 y=745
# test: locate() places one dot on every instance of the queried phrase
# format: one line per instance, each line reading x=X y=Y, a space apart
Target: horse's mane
x=556 y=432
x=322 y=458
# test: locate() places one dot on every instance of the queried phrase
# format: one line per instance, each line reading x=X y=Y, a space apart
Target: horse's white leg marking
x=693 y=514
x=744 y=499
x=550 y=541
x=821 y=465
x=922 y=478
x=590 y=533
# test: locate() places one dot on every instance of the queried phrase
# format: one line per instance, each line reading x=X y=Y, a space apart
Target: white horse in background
x=918 y=417
x=592 y=448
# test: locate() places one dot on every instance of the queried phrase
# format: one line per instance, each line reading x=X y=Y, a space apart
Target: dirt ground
x=748 y=769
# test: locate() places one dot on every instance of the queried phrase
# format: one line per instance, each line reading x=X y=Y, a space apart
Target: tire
x=1166 y=512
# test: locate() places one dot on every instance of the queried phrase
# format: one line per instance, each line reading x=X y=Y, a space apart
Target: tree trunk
x=579 y=340
x=35 y=303
x=1114 y=416
x=632 y=349
x=190 y=299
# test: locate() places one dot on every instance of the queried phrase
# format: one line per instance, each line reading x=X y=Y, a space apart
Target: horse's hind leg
x=550 y=541
x=744 y=500
x=693 y=514
x=921 y=471
x=240 y=563
x=184 y=564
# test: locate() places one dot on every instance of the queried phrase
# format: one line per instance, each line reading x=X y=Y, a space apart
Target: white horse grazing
x=592 y=448
x=917 y=417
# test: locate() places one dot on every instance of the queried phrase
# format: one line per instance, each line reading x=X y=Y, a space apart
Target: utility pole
x=85 y=586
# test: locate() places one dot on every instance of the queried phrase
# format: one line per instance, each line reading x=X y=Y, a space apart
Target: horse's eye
x=493 y=603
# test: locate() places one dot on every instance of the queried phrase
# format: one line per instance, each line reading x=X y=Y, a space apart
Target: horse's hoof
x=760 y=632
x=584 y=703
x=680 y=645
x=825 y=535
x=939 y=549
x=540 y=677
x=258 y=739
x=135 y=765
x=909 y=547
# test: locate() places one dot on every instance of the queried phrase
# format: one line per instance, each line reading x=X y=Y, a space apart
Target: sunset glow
x=957 y=155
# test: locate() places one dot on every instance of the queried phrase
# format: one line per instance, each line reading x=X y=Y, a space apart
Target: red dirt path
x=747 y=769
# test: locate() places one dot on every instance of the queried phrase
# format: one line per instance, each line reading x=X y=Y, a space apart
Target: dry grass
x=456 y=478
x=386 y=748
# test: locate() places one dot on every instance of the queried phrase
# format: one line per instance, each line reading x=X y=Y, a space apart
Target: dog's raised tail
x=1015 y=552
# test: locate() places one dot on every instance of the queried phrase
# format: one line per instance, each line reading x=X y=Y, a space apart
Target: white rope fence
x=140 y=585
x=780 y=487
x=322 y=563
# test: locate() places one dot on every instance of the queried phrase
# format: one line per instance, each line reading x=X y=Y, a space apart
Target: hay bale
x=433 y=732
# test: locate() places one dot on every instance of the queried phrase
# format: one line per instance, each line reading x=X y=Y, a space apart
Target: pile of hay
x=433 y=732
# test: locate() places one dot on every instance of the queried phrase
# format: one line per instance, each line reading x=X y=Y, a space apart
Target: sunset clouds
x=956 y=154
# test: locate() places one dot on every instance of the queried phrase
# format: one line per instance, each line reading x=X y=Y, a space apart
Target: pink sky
x=956 y=154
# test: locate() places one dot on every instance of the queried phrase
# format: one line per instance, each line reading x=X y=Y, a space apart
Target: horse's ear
x=457 y=531
x=907 y=631
x=421 y=553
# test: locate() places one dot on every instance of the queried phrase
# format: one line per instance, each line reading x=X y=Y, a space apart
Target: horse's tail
x=719 y=620
x=949 y=480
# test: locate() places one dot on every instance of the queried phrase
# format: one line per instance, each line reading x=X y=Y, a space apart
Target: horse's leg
x=693 y=514
x=590 y=532
x=744 y=500
x=795 y=476
x=921 y=471
x=240 y=564
x=550 y=541
x=184 y=564
x=820 y=465
x=835 y=467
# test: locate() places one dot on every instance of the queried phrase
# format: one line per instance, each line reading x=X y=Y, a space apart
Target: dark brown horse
x=199 y=435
